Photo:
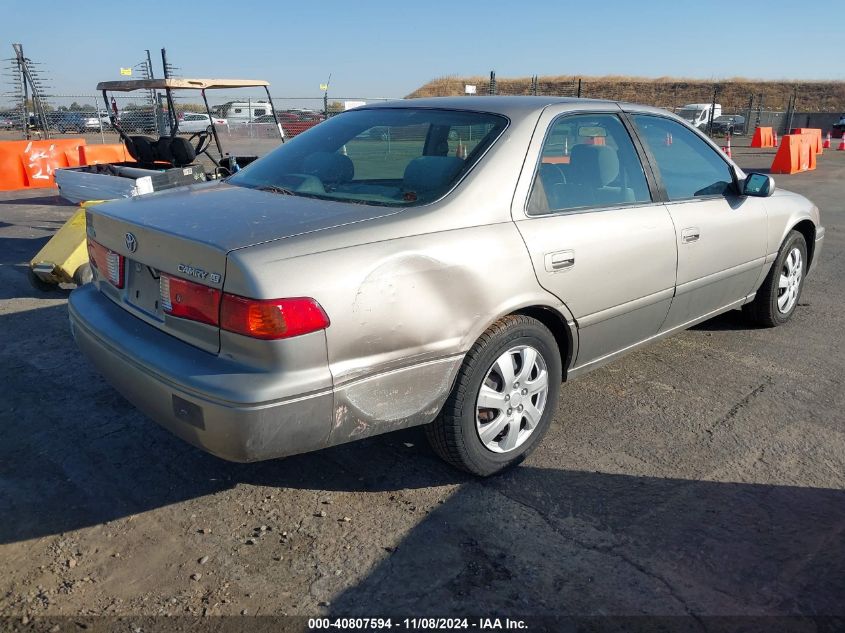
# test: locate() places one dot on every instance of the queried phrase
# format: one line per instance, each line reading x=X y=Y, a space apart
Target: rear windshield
x=383 y=156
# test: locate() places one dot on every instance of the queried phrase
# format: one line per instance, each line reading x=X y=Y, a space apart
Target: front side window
x=588 y=160
x=385 y=156
x=689 y=167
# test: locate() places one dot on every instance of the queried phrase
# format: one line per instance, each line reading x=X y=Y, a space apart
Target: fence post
x=748 y=114
x=712 y=109
x=491 y=88
x=791 y=112
x=99 y=121
x=579 y=87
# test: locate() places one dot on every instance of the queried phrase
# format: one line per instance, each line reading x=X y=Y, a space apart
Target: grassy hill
x=665 y=92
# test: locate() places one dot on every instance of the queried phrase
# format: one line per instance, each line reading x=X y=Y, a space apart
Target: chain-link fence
x=234 y=115
x=734 y=107
x=723 y=107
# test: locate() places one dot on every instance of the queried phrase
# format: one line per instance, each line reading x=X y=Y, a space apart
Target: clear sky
x=388 y=48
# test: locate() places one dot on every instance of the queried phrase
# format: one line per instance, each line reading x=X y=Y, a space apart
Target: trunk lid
x=188 y=233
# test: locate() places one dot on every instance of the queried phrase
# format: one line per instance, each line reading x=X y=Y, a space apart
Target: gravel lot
x=702 y=476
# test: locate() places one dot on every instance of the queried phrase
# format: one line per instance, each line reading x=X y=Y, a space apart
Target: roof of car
x=179 y=83
x=499 y=104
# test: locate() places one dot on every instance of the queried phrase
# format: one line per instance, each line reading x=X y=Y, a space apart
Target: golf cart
x=163 y=163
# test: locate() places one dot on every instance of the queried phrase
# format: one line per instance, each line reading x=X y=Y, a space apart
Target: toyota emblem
x=131 y=242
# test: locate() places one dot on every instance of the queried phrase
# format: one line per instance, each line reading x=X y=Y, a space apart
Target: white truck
x=698 y=114
x=243 y=111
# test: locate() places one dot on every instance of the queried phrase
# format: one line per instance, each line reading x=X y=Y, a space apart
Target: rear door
x=721 y=236
x=597 y=238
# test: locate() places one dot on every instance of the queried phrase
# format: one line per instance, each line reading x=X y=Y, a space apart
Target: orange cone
x=826 y=144
x=668 y=140
x=841 y=147
x=728 y=152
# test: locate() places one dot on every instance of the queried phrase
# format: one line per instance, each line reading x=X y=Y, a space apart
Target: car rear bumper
x=170 y=380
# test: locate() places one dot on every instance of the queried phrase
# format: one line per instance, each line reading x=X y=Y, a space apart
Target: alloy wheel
x=512 y=399
x=789 y=282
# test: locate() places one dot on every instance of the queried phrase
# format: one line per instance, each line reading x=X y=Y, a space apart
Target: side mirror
x=758 y=186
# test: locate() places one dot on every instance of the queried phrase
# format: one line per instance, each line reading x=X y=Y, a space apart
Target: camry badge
x=131 y=242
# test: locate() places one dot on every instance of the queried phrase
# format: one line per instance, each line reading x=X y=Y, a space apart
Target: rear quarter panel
x=403 y=313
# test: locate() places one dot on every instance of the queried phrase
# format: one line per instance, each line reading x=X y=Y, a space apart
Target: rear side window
x=384 y=156
x=689 y=167
x=588 y=160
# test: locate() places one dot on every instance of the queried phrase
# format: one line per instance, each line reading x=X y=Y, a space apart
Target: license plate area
x=143 y=290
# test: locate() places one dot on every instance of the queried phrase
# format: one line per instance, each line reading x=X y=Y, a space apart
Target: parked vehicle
x=141 y=120
x=191 y=122
x=65 y=121
x=9 y=120
x=698 y=114
x=243 y=111
x=838 y=128
x=729 y=124
x=165 y=162
x=292 y=123
x=344 y=286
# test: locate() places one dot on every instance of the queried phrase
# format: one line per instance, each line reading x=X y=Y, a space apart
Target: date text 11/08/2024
x=421 y=624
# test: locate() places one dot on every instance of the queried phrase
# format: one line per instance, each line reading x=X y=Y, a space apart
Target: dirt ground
x=703 y=476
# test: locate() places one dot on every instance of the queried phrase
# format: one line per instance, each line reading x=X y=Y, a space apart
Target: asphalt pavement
x=702 y=476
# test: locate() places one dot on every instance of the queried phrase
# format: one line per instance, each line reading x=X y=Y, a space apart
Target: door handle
x=559 y=260
x=690 y=235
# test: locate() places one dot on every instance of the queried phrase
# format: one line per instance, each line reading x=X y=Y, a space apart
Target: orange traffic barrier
x=815 y=134
x=25 y=164
x=795 y=154
x=107 y=153
x=763 y=137
x=727 y=148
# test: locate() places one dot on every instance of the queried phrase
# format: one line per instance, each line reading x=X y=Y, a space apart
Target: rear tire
x=515 y=368
x=778 y=297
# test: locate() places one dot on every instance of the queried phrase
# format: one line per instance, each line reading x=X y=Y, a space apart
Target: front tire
x=778 y=297
x=504 y=398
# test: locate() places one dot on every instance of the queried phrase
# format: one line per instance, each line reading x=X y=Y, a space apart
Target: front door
x=721 y=236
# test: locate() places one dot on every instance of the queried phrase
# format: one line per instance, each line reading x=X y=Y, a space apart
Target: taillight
x=189 y=300
x=271 y=318
x=256 y=318
x=107 y=262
